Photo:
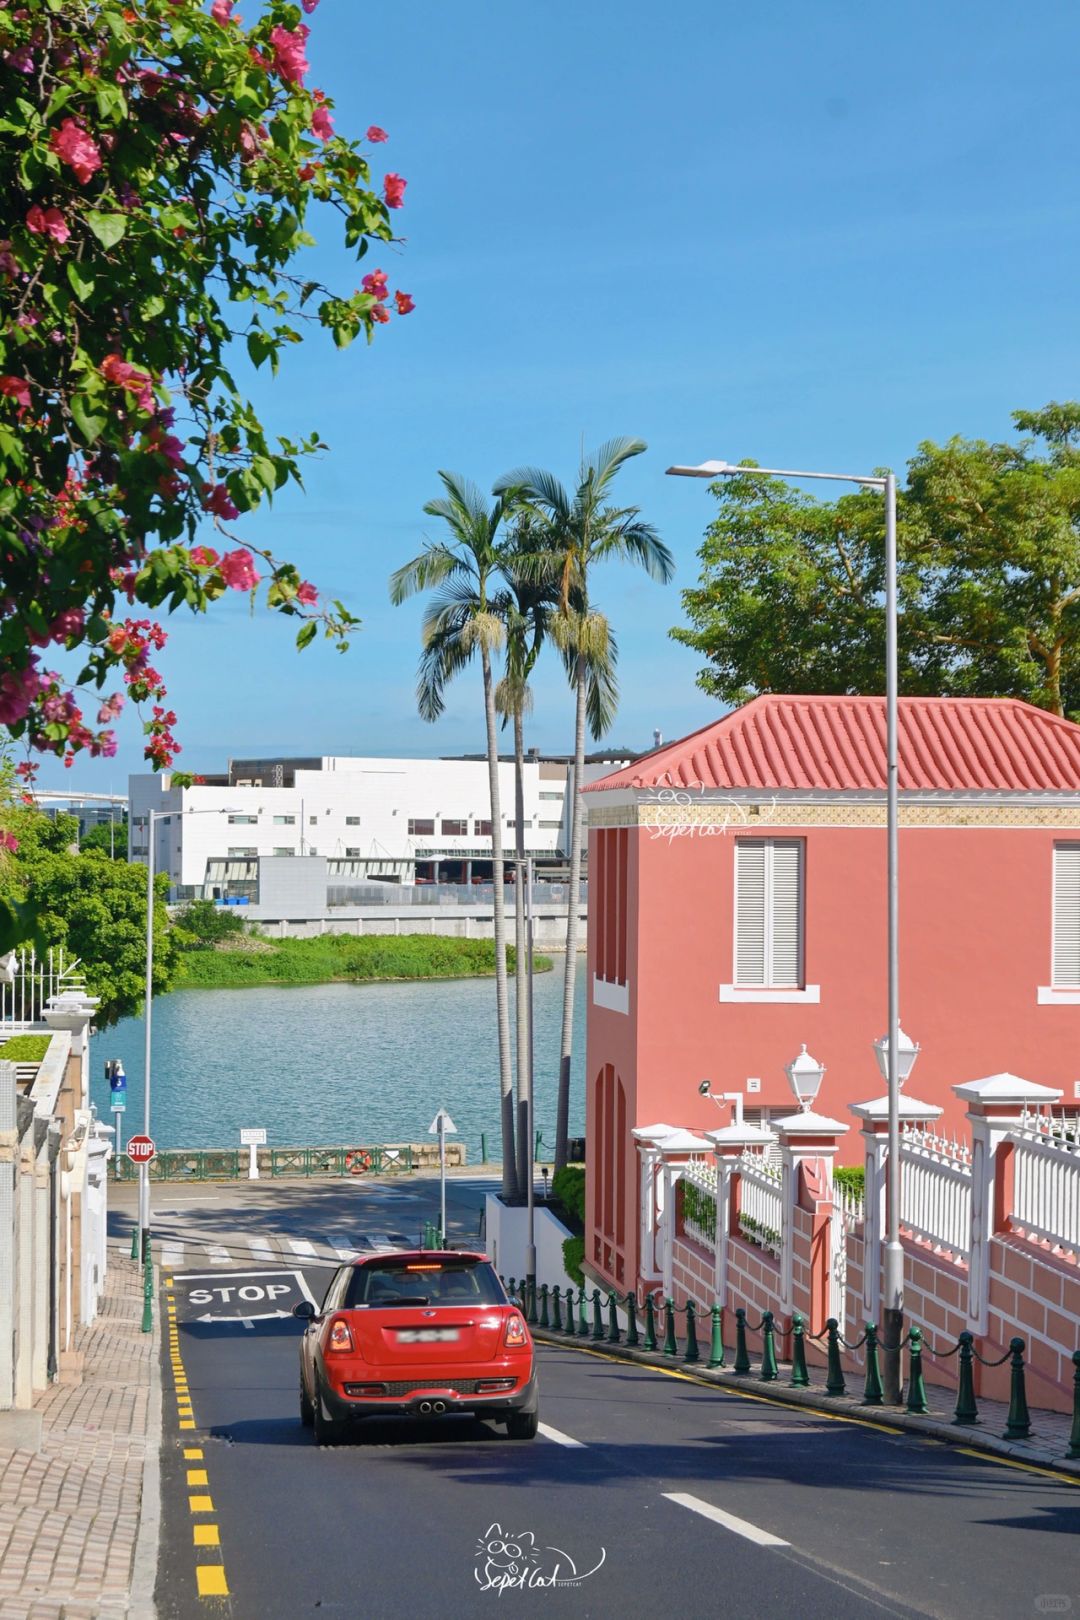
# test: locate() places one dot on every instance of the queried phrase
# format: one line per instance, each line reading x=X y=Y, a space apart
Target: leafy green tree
x=94 y=907
x=161 y=168
x=107 y=838
x=207 y=923
x=583 y=530
x=790 y=597
x=461 y=620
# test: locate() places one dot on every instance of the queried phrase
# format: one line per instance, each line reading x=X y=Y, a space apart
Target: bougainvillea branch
x=161 y=165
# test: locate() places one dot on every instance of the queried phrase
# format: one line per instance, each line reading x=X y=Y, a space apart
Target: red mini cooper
x=416 y=1334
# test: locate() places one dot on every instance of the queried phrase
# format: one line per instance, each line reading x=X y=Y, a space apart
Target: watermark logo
x=681 y=795
x=506 y=1563
x=1053 y=1603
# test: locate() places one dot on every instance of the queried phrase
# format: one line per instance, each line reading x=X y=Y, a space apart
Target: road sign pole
x=442 y=1178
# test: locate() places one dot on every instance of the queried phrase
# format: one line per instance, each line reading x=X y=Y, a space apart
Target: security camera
x=705 y=1087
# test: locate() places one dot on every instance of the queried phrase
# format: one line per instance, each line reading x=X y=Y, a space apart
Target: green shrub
x=852 y=1177
x=568 y=1185
x=206 y=923
x=700 y=1207
x=25 y=1049
x=573 y=1253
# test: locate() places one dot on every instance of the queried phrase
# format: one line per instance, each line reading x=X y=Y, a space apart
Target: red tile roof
x=838 y=743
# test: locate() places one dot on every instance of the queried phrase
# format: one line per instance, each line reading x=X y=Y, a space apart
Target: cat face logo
x=502 y=1553
x=504 y=1561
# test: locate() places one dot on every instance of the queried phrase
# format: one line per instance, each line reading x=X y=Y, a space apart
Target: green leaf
x=151 y=307
x=108 y=228
x=81 y=281
x=90 y=423
x=306 y=634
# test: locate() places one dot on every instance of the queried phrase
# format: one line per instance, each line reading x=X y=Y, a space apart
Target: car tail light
x=516 y=1334
x=492 y=1386
x=340 y=1337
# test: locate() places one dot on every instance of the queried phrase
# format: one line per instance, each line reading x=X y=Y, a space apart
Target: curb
x=974 y=1438
x=147 y=1542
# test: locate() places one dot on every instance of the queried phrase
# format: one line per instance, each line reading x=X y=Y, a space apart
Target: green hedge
x=853 y=1177
x=568 y=1185
x=573 y=1253
x=25 y=1049
x=338 y=957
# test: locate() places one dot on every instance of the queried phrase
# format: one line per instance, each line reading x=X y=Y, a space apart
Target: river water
x=336 y=1063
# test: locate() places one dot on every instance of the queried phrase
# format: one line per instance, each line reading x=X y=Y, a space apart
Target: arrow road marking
x=741 y=1527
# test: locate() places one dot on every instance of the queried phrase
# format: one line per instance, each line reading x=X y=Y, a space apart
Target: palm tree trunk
x=521 y=983
x=502 y=1007
x=577 y=817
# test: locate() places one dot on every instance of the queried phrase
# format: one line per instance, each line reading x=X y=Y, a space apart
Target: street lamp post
x=892 y=1315
x=530 y=1240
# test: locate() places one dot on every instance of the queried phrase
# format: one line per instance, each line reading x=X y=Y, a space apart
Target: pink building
x=737 y=911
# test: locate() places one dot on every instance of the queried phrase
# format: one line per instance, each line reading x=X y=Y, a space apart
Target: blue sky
x=814 y=235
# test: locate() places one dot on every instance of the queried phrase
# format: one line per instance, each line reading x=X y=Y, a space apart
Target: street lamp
x=804 y=1078
x=907 y=1051
x=893 y=1307
x=735 y=1098
x=144 y=1169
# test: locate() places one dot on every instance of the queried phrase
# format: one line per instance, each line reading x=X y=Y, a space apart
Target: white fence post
x=875 y=1128
x=810 y=1140
x=729 y=1145
x=675 y=1150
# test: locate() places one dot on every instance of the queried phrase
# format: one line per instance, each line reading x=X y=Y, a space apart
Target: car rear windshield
x=425 y=1282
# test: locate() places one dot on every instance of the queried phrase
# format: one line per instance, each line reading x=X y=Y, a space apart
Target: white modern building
x=371 y=821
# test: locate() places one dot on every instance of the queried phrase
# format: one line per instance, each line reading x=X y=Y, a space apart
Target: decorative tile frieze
x=720 y=818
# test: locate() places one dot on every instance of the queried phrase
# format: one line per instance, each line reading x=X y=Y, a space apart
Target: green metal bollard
x=916 y=1388
x=966 y=1410
x=530 y=1295
x=597 y=1319
x=834 y=1368
x=134 y=1242
x=483 y=1148
x=649 y=1342
x=613 y=1333
x=1018 y=1423
x=583 y=1317
x=691 y=1352
x=146 y=1245
x=544 y=1322
x=1074 y=1437
x=556 y=1310
x=716 y=1346
x=570 y=1330
x=511 y=1288
x=631 y=1319
x=742 y=1355
x=148 y=1299
x=800 y=1374
x=671 y=1344
x=769 y=1369
x=873 y=1395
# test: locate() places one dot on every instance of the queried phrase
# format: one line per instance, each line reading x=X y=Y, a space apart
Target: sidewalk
x=70 y=1514
x=1045 y=1447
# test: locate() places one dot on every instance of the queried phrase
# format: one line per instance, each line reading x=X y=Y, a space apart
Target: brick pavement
x=69 y=1515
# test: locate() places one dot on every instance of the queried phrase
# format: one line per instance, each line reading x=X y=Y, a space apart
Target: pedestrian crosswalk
x=180 y=1251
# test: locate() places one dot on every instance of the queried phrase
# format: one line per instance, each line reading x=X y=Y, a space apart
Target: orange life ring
x=357 y=1160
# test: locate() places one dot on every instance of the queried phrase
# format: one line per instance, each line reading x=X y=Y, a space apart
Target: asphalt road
x=672 y=1497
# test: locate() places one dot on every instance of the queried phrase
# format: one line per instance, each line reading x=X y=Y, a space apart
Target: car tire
x=327 y=1432
x=307 y=1411
x=523 y=1425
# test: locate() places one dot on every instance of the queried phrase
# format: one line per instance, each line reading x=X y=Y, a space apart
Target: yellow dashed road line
x=210 y=1581
x=1014 y=1462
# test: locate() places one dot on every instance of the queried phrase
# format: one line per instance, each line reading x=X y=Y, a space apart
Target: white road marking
x=247 y=1323
x=261 y=1248
x=172 y=1255
x=302 y=1248
x=218 y=1254
x=342 y=1245
x=559 y=1438
x=741 y=1527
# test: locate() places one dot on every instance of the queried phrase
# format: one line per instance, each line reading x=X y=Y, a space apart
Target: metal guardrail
x=228 y=1164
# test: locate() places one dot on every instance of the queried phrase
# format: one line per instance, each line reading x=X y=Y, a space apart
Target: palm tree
x=461 y=619
x=524 y=608
x=583 y=530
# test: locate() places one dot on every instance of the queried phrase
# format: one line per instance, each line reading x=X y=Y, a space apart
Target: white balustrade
x=935 y=1190
x=699 y=1206
x=1046 y=1180
x=761 y=1201
x=28 y=980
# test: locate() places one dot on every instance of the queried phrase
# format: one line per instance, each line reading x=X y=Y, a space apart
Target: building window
x=353 y=852
x=243 y=821
x=421 y=829
x=284 y=821
x=454 y=829
x=611 y=853
x=312 y=850
x=769 y=922
x=242 y=854
x=1065 y=972
x=510 y=822
x=555 y=824
x=313 y=821
x=352 y=821
x=284 y=852
x=559 y=796
x=481 y=829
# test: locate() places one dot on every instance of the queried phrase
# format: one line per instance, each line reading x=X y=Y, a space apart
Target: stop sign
x=140 y=1149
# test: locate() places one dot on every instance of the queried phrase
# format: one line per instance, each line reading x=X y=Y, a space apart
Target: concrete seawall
x=450 y=920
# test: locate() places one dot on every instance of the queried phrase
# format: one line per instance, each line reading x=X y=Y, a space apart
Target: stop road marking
x=249 y=1292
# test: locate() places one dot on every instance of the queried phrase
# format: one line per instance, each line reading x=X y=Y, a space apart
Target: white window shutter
x=1066 y=968
x=786 y=967
x=750 y=910
x=768 y=912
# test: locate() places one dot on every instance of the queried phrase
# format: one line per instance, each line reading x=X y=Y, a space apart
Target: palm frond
x=599 y=469
x=432 y=566
x=535 y=486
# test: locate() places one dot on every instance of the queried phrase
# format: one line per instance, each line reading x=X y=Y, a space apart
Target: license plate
x=425 y=1335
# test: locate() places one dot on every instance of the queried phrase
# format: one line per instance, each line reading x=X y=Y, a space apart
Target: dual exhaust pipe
x=432 y=1408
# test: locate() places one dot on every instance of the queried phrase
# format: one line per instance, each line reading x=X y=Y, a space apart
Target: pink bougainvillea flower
x=204 y=556
x=379 y=312
x=216 y=500
x=309 y=171
x=18 y=689
x=238 y=570
x=74 y=147
x=307 y=593
x=16 y=388
x=111 y=709
x=309 y=5
x=375 y=284
x=322 y=124
x=47 y=222
x=67 y=624
x=124 y=375
x=404 y=302
x=9 y=842
x=221 y=11
x=289 y=58
x=375 y=134
x=394 y=190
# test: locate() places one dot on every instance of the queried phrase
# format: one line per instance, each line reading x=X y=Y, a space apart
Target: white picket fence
x=1046 y=1181
x=935 y=1190
x=761 y=1201
x=27 y=981
x=701 y=1173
